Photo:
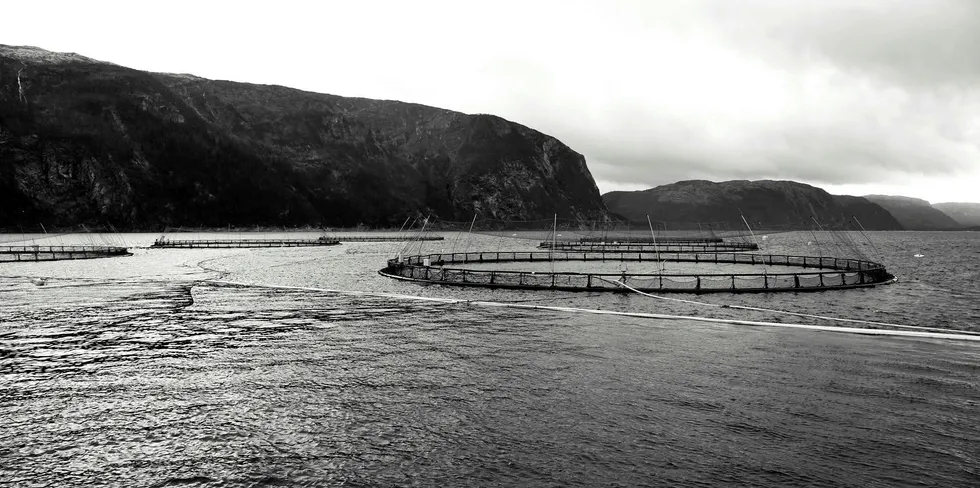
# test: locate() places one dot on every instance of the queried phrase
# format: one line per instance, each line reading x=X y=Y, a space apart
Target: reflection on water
x=138 y=372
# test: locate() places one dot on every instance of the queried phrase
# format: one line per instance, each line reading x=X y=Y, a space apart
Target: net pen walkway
x=331 y=240
x=384 y=238
x=818 y=273
x=626 y=238
x=58 y=253
x=241 y=243
x=620 y=246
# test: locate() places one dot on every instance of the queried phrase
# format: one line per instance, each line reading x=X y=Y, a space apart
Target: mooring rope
x=875 y=249
x=483 y=303
x=785 y=312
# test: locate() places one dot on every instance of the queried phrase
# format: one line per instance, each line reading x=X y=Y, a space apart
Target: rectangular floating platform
x=16 y=254
x=241 y=243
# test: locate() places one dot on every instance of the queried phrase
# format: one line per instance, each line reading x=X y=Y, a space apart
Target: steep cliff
x=770 y=204
x=88 y=142
x=914 y=213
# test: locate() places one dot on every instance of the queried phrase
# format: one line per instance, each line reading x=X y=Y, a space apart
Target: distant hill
x=89 y=142
x=775 y=204
x=914 y=213
x=967 y=214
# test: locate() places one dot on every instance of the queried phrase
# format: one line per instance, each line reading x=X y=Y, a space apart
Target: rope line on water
x=484 y=303
x=786 y=312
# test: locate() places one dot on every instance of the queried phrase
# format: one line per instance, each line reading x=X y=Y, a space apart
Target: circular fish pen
x=637 y=256
x=15 y=254
x=794 y=273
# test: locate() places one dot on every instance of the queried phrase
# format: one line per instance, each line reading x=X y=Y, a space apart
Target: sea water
x=153 y=370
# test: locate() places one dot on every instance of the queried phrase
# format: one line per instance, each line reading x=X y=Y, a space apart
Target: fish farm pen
x=385 y=238
x=250 y=243
x=58 y=253
x=241 y=243
x=642 y=240
x=633 y=256
x=669 y=246
x=822 y=273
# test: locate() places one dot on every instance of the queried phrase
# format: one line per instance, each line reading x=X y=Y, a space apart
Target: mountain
x=966 y=214
x=866 y=211
x=766 y=203
x=89 y=142
x=914 y=213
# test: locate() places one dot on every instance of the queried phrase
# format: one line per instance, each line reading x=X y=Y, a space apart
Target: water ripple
x=120 y=381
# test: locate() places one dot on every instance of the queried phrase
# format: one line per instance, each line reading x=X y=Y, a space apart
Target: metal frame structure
x=825 y=273
x=649 y=246
x=15 y=254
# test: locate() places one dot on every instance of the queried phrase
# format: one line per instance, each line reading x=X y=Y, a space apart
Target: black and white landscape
x=537 y=243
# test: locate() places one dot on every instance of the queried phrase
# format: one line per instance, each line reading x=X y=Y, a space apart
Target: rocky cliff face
x=83 y=141
x=768 y=204
x=965 y=213
x=914 y=213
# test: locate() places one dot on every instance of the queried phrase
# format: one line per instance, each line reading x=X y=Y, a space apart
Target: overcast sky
x=854 y=96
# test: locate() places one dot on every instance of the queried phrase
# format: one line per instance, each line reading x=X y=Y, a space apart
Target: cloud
x=914 y=42
x=837 y=93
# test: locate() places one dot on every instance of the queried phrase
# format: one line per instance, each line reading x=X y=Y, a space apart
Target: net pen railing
x=68 y=248
x=56 y=253
x=845 y=264
x=635 y=239
x=189 y=243
x=444 y=269
x=706 y=247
